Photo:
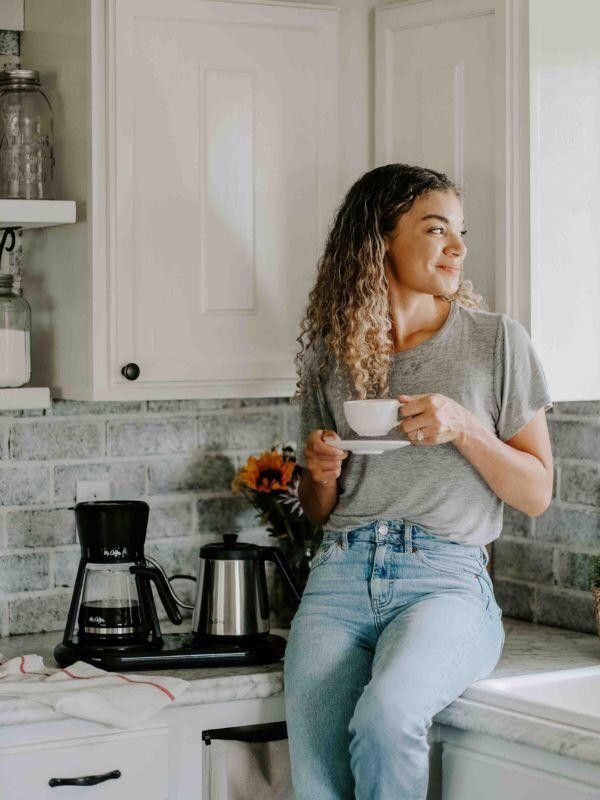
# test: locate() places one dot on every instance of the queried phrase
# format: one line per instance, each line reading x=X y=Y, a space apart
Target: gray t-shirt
x=484 y=361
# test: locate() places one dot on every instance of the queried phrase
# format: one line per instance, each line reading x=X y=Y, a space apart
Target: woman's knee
x=389 y=718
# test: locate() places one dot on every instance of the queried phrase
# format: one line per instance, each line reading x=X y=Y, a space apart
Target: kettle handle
x=164 y=590
x=274 y=554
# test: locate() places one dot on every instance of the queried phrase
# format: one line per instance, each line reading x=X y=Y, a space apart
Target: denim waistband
x=400 y=532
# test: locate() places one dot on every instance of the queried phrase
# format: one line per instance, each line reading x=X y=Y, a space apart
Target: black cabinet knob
x=130 y=371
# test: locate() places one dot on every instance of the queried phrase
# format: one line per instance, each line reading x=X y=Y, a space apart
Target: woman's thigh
x=441 y=628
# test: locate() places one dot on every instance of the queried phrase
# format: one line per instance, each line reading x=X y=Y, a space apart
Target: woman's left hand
x=440 y=418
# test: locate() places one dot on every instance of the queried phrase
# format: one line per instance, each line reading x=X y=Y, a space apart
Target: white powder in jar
x=15 y=362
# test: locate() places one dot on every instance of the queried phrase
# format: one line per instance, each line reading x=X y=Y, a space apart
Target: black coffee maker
x=112 y=621
x=112 y=606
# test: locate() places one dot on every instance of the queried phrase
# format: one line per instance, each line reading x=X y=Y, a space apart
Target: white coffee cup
x=372 y=417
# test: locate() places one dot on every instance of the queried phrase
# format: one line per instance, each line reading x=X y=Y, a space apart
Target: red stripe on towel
x=117 y=675
x=24 y=671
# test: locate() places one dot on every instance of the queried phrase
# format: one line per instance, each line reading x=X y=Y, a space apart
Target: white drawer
x=140 y=756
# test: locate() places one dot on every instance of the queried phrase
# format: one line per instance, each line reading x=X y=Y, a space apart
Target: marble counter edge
x=555 y=737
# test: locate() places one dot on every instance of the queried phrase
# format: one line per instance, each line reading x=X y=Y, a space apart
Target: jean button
x=383 y=528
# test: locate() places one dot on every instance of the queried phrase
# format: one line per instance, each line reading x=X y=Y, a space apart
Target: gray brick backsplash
x=76 y=407
x=264 y=401
x=516 y=523
x=38 y=613
x=526 y=560
x=156 y=436
x=574 y=570
x=127 y=478
x=190 y=406
x=22 y=485
x=566 y=610
x=591 y=408
x=178 y=557
x=181 y=455
x=171 y=519
x=572 y=439
x=65 y=567
x=291 y=424
x=37 y=441
x=515 y=599
x=191 y=474
x=259 y=431
x=23 y=573
x=47 y=527
x=580 y=483
x=224 y=515
x=568 y=527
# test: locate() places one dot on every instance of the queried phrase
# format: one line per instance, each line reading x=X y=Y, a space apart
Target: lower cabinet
x=476 y=766
x=116 y=766
x=72 y=759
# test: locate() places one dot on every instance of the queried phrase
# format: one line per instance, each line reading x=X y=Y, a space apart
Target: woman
x=398 y=616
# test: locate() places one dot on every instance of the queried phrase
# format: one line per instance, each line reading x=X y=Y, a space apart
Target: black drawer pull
x=86 y=780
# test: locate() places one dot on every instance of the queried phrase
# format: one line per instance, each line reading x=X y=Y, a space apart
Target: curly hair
x=348 y=307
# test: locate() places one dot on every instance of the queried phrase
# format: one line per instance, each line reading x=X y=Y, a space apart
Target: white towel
x=87 y=692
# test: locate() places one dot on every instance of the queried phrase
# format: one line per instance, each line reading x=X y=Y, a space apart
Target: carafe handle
x=275 y=555
x=164 y=590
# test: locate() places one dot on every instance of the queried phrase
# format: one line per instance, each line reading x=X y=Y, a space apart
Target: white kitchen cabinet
x=437 y=84
x=475 y=765
x=197 y=137
x=504 y=96
x=161 y=761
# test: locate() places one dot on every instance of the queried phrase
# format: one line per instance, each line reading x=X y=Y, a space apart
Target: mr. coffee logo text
x=114 y=553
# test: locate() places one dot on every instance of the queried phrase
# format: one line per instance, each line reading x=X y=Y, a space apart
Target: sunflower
x=270 y=472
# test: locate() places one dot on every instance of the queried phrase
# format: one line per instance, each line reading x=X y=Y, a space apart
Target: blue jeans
x=394 y=625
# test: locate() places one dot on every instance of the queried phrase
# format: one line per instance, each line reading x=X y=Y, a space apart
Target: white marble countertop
x=528 y=648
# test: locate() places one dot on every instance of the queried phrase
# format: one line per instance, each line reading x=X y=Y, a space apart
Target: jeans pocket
x=323 y=553
x=448 y=561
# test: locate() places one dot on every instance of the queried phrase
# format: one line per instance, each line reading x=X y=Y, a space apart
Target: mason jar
x=15 y=328
x=26 y=137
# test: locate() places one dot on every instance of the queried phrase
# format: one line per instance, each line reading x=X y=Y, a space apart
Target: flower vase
x=282 y=602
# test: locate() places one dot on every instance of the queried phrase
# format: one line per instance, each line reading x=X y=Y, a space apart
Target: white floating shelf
x=36 y=213
x=24 y=397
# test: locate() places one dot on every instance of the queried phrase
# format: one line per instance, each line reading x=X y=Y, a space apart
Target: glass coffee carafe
x=110 y=604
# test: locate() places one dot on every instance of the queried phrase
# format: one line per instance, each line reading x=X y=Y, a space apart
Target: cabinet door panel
x=223 y=185
x=468 y=775
x=436 y=105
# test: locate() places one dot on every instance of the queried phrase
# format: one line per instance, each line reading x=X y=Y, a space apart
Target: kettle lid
x=230 y=549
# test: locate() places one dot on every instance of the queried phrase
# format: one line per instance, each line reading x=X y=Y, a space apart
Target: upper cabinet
x=564 y=84
x=504 y=96
x=196 y=137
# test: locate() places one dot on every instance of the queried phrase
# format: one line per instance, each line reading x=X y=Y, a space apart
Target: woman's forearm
x=317 y=500
x=518 y=478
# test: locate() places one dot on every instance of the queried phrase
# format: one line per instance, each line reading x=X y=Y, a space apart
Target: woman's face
x=426 y=249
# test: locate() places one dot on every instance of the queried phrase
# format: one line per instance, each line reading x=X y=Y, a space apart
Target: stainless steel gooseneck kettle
x=232 y=598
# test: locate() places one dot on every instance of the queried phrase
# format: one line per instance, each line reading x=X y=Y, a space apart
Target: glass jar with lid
x=26 y=137
x=15 y=327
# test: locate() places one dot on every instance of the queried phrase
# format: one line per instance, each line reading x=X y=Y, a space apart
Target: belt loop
x=344 y=540
x=408 y=542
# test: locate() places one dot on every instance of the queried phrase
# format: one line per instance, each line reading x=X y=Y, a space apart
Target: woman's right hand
x=323 y=461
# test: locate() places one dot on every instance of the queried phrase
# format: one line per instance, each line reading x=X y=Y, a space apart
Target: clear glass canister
x=26 y=137
x=15 y=327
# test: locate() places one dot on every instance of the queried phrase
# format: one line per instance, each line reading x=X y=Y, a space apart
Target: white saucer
x=365 y=447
